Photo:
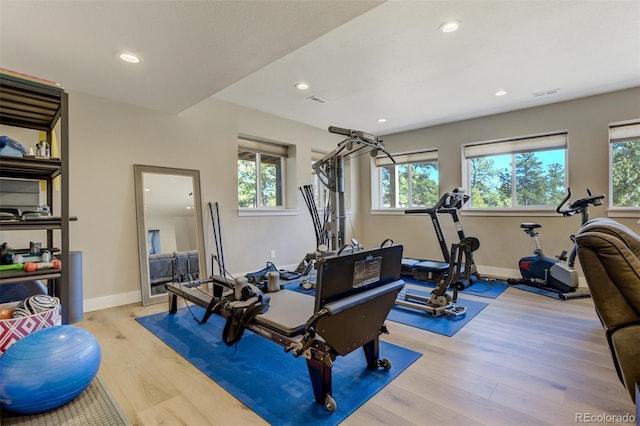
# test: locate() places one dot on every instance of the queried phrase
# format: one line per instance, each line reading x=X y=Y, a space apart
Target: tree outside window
x=624 y=155
x=523 y=172
x=260 y=179
x=408 y=183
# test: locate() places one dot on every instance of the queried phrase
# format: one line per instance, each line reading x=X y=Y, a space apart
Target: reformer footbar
x=354 y=294
x=440 y=302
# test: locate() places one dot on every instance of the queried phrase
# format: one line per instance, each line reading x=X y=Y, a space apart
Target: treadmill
x=433 y=270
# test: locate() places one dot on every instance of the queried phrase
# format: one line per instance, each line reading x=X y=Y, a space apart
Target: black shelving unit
x=28 y=103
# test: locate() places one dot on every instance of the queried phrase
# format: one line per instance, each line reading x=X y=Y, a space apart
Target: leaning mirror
x=170 y=237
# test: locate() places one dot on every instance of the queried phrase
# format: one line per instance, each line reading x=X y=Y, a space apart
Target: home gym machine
x=330 y=229
x=558 y=275
x=330 y=172
x=431 y=270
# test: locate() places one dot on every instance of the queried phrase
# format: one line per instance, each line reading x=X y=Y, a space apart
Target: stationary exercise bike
x=558 y=275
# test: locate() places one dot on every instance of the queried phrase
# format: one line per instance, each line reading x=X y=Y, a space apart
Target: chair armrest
x=625 y=343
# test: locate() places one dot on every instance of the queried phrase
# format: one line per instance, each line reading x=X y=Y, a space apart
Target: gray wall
x=108 y=138
x=502 y=241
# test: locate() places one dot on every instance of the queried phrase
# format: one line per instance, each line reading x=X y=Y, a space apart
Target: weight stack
x=75 y=307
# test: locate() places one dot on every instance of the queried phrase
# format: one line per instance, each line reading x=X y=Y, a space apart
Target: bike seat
x=528 y=226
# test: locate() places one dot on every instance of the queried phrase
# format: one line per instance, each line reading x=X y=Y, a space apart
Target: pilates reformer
x=354 y=294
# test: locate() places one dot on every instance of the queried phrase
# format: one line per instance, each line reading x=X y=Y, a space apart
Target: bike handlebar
x=567 y=208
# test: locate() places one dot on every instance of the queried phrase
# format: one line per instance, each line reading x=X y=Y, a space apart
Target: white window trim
x=617 y=131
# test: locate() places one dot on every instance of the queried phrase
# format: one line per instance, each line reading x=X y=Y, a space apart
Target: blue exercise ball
x=47 y=369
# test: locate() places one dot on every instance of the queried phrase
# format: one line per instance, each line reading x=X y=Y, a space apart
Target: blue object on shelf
x=11 y=147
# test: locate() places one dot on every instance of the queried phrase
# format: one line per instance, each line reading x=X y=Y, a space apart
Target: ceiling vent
x=545 y=93
x=317 y=99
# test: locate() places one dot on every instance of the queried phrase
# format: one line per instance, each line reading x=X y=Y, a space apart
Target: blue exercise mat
x=490 y=289
x=580 y=294
x=266 y=379
x=446 y=325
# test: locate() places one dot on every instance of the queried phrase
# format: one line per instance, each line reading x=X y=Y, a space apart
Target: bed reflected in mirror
x=170 y=239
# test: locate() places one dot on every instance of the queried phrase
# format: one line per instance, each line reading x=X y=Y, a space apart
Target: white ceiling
x=367 y=59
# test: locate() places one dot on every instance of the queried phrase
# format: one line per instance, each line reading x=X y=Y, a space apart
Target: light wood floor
x=524 y=360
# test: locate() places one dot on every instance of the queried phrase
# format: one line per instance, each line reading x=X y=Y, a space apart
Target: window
x=411 y=182
x=516 y=173
x=624 y=161
x=261 y=182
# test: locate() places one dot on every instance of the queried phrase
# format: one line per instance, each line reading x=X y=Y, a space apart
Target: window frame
x=621 y=132
x=403 y=158
x=259 y=148
x=534 y=143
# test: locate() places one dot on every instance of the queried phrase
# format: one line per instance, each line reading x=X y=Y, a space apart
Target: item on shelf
x=14 y=329
x=11 y=147
x=43 y=150
x=42 y=256
x=34 y=248
x=6 y=312
x=6 y=254
x=34 y=266
x=35 y=304
x=26 y=78
x=12 y=267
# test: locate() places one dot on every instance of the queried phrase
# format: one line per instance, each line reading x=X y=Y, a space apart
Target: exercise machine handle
x=448 y=203
x=339 y=131
x=567 y=208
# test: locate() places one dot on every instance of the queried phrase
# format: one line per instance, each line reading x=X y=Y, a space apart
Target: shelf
x=10 y=277
x=29 y=104
x=26 y=225
x=29 y=168
x=23 y=225
x=33 y=103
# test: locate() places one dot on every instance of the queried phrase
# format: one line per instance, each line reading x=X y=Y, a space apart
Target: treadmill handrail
x=449 y=202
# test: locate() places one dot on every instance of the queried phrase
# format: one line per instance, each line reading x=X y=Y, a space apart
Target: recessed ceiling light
x=450 y=26
x=501 y=93
x=382 y=120
x=302 y=86
x=129 y=57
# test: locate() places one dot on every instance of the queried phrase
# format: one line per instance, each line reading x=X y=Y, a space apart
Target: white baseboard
x=513 y=273
x=498 y=272
x=112 y=301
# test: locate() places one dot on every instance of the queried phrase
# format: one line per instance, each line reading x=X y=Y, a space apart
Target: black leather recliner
x=609 y=253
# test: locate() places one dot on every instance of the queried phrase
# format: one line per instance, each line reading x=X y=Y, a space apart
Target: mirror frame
x=139 y=171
